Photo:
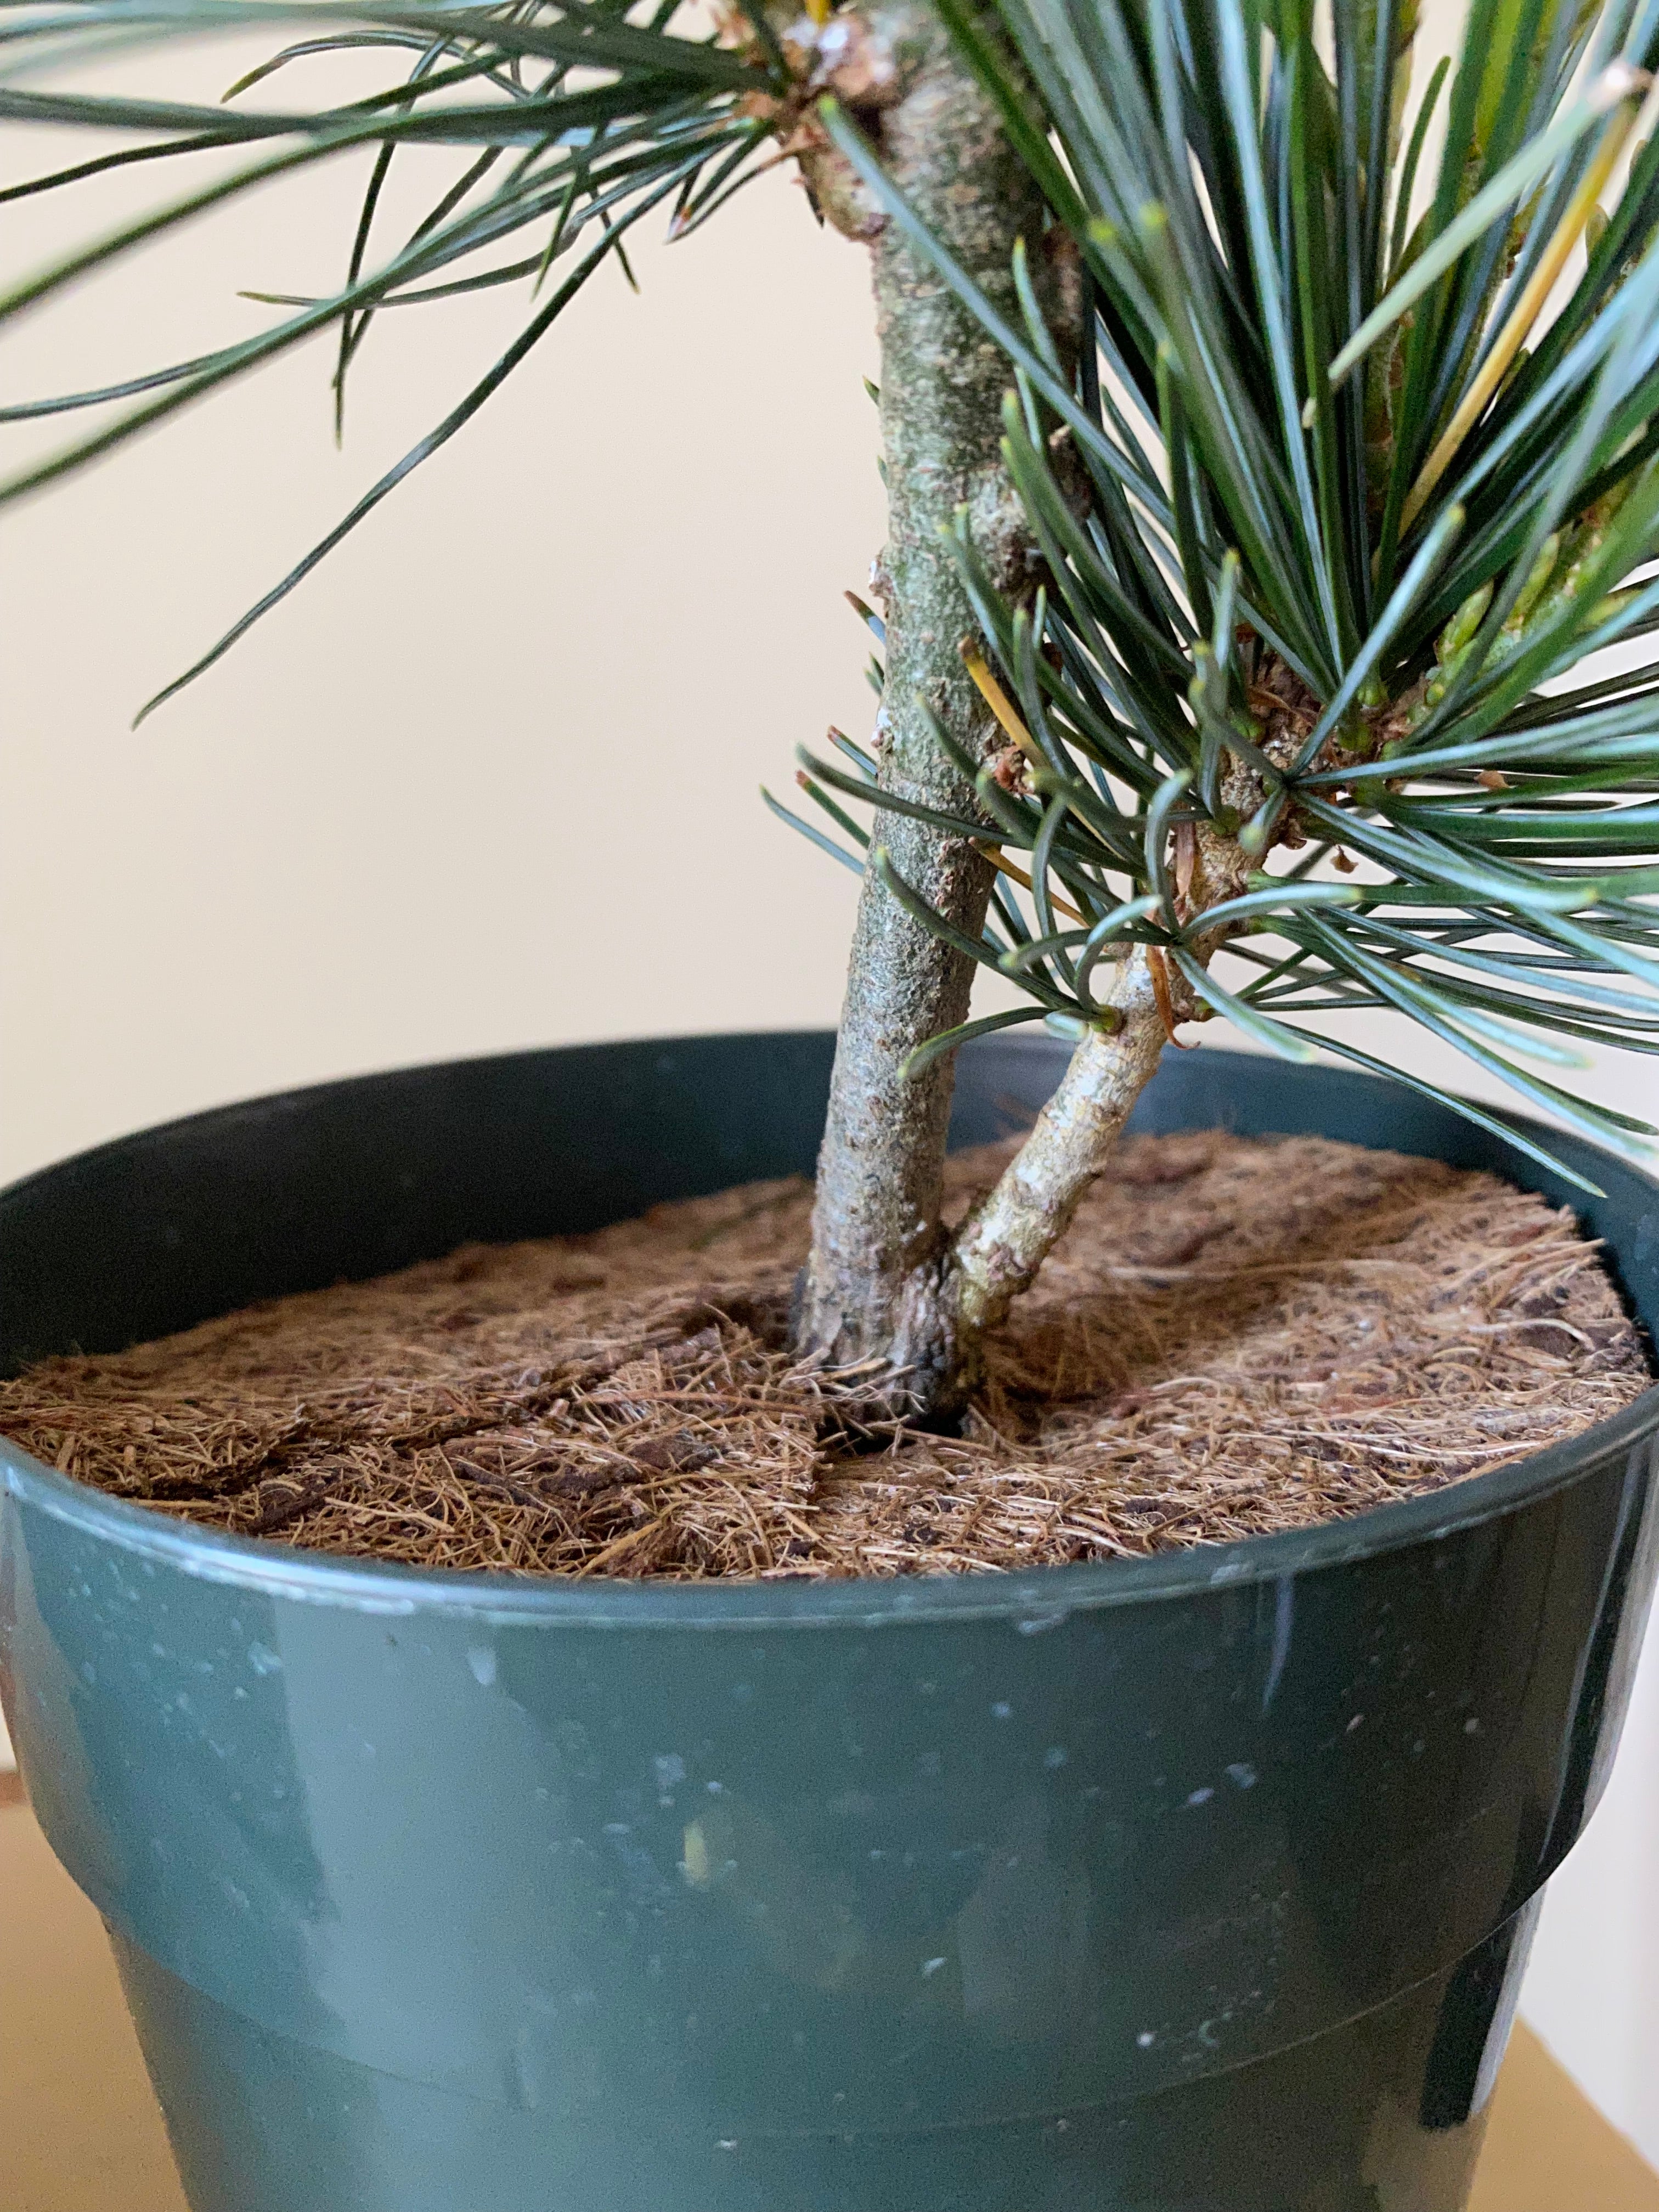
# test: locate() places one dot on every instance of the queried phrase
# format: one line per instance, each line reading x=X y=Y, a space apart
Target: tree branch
x=1005 y=1240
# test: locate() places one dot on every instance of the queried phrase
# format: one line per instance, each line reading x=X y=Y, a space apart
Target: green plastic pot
x=1200 y=1883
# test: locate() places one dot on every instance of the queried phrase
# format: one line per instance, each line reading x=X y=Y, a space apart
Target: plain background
x=490 y=778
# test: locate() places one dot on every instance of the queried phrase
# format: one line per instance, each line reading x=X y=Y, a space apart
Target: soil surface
x=1236 y=1336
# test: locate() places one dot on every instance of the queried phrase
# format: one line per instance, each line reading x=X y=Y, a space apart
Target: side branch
x=1009 y=1233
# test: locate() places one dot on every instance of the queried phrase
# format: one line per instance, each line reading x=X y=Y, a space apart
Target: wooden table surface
x=80 y=2131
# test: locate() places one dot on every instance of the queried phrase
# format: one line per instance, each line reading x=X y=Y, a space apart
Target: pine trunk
x=878 y=1287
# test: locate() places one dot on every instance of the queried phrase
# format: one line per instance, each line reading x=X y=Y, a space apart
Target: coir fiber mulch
x=1236 y=1336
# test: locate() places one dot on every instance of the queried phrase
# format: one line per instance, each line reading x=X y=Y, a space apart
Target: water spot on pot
x=1002 y=1710
x=88 y=1672
x=670 y=1770
x=1241 y=1774
x=1056 y=1755
x=240 y=1694
x=714 y=1789
x=930 y=1968
x=1201 y=1796
x=238 y=1897
x=727 y=2142
x=1146 y=2039
x=1039 y=1624
x=1355 y=1723
x=481 y=1658
x=263 y=1659
x=1472 y=1726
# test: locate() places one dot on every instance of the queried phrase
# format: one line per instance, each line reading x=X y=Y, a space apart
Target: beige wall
x=490 y=778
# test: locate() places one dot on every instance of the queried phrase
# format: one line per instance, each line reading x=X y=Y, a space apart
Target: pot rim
x=1039 y=1599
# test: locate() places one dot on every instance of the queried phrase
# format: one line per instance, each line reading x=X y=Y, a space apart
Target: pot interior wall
x=349 y=1180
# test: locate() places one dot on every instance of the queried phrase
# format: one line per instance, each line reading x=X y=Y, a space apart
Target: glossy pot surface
x=1195 y=1884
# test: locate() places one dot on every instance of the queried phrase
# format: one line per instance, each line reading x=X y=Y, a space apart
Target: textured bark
x=876 y=1286
x=1009 y=1234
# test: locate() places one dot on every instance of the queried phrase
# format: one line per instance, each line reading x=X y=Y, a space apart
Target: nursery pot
x=1197 y=1883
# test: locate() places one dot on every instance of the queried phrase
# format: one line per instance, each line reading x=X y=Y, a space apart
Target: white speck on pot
x=669 y=1768
x=930 y=1966
x=260 y=1658
x=1472 y=1726
x=1002 y=1710
x=1201 y=1796
x=1055 y=1755
x=1146 y=2039
x=695 y=1856
x=1355 y=1723
x=1242 y=1775
x=481 y=1658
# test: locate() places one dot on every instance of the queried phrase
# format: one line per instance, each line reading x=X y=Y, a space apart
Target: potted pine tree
x=1259 y=488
